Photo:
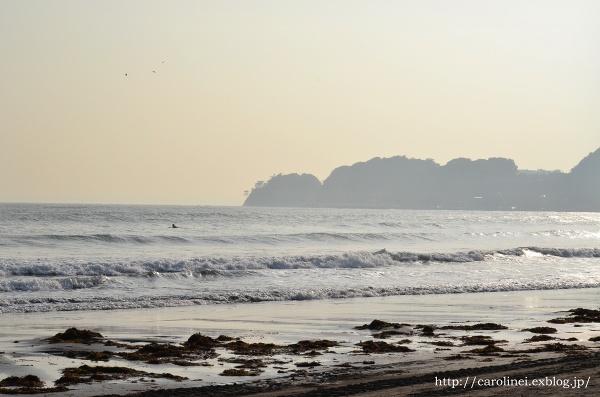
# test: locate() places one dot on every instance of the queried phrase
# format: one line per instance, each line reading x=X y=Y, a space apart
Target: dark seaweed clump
x=541 y=330
x=157 y=353
x=379 y=325
x=476 y=327
x=306 y=364
x=203 y=342
x=28 y=384
x=73 y=335
x=88 y=374
x=481 y=340
x=239 y=372
x=22 y=381
x=388 y=334
x=539 y=338
x=382 y=347
x=311 y=345
x=579 y=315
x=253 y=349
x=488 y=350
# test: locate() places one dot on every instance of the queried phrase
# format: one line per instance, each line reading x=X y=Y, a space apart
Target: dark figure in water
x=174 y=227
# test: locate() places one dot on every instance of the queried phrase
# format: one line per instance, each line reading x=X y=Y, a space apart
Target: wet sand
x=344 y=369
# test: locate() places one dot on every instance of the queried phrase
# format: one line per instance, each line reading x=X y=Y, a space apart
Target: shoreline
x=342 y=368
x=392 y=380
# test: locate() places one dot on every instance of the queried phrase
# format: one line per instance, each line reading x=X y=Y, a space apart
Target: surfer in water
x=174 y=227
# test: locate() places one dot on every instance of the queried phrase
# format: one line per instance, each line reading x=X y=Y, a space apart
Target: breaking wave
x=42 y=304
x=217 y=266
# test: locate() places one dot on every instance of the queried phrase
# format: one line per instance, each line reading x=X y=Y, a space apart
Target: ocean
x=109 y=257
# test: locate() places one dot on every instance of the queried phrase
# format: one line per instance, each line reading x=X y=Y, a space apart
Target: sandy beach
x=419 y=345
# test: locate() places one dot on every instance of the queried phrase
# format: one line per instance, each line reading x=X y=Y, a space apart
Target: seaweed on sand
x=426 y=330
x=382 y=347
x=92 y=356
x=541 y=330
x=247 y=363
x=73 y=335
x=307 y=364
x=488 y=350
x=539 y=338
x=203 y=342
x=481 y=340
x=253 y=349
x=388 y=334
x=28 y=384
x=158 y=353
x=579 y=315
x=561 y=347
x=379 y=325
x=311 y=346
x=476 y=327
x=22 y=381
x=88 y=374
x=240 y=372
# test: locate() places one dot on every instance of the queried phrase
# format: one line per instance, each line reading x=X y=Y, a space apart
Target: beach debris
x=579 y=315
x=311 y=346
x=388 y=334
x=541 y=330
x=203 y=342
x=73 y=335
x=488 y=350
x=28 y=384
x=307 y=364
x=561 y=347
x=555 y=347
x=89 y=355
x=539 y=338
x=163 y=353
x=481 y=340
x=458 y=357
x=240 y=372
x=253 y=349
x=382 y=347
x=89 y=374
x=22 y=381
x=379 y=325
x=426 y=330
x=476 y=327
x=248 y=363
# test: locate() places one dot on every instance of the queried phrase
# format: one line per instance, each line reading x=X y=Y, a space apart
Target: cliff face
x=400 y=182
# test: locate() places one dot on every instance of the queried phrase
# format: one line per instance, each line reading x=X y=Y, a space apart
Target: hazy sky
x=219 y=94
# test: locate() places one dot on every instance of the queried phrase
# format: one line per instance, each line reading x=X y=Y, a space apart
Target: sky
x=192 y=102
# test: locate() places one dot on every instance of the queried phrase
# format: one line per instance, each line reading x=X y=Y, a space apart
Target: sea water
x=90 y=257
